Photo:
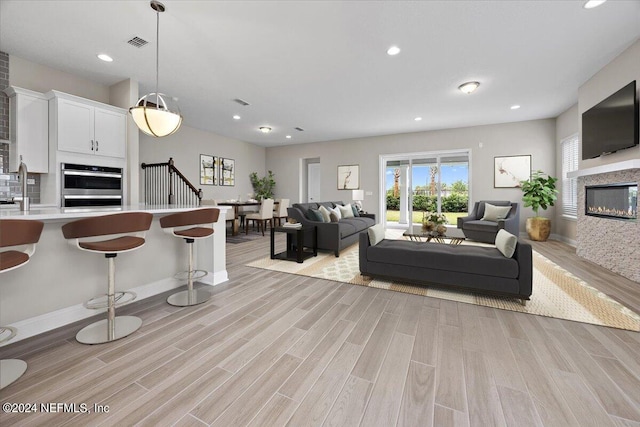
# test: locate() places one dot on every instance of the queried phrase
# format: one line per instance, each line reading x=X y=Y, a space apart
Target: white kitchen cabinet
x=87 y=127
x=28 y=130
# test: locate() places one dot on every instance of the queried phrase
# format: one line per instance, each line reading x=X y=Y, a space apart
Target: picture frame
x=227 y=172
x=208 y=170
x=510 y=170
x=349 y=177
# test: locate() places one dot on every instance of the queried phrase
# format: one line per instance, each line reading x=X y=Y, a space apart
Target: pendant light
x=157 y=114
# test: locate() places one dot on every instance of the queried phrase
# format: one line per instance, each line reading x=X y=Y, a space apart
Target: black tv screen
x=611 y=125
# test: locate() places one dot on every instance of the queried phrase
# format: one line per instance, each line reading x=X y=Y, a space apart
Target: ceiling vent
x=241 y=102
x=299 y=129
x=137 y=41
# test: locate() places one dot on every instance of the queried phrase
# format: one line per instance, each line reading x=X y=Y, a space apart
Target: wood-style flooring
x=273 y=349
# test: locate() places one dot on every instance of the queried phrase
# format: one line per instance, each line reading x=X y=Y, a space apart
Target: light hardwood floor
x=274 y=349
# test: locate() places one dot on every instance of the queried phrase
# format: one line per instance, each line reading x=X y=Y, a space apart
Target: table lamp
x=358 y=197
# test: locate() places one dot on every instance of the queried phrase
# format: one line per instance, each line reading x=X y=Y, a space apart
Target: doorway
x=415 y=183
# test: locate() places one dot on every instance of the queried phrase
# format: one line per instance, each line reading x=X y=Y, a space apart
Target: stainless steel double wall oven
x=90 y=186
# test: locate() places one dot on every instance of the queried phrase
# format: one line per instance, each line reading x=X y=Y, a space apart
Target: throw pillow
x=325 y=213
x=309 y=215
x=333 y=217
x=317 y=215
x=354 y=208
x=346 y=211
x=506 y=243
x=495 y=213
x=376 y=234
x=336 y=211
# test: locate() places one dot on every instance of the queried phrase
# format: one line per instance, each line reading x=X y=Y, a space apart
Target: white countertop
x=51 y=213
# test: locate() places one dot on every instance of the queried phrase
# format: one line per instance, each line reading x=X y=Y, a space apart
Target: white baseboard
x=46 y=322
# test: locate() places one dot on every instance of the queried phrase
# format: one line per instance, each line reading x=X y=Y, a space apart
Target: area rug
x=556 y=292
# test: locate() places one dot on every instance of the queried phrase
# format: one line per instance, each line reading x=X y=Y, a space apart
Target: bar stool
x=23 y=236
x=181 y=225
x=126 y=233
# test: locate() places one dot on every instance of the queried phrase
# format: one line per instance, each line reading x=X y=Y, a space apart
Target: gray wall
x=618 y=73
x=186 y=145
x=535 y=137
x=566 y=125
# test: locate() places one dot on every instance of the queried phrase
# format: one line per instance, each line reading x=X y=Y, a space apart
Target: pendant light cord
x=157 y=57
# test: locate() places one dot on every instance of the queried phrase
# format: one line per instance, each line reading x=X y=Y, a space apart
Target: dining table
x=236 y=204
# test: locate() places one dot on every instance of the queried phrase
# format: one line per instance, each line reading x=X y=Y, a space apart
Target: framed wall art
x=208 y=170
x=227 y=172
x=349 y=177
x=510 y=170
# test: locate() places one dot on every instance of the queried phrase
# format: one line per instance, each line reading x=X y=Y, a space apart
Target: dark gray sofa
x=475 y=228
x=475 y=268
x=332 y=236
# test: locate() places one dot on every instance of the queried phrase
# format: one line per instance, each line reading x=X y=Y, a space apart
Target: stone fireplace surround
x=610 y=243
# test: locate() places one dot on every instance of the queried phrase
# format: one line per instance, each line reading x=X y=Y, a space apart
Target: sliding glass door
x=424 y=182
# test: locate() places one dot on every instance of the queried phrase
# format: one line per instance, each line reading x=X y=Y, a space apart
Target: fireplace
x=615 y=201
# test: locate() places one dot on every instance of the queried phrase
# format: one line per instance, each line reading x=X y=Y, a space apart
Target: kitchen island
x=49 y=291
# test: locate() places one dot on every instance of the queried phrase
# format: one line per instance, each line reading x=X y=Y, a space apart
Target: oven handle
x=92 y=197
x=100 y=174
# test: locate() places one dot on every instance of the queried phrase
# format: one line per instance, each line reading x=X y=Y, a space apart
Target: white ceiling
x=323 y=65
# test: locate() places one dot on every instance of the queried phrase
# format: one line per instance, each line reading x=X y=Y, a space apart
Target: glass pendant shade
x=154 y=116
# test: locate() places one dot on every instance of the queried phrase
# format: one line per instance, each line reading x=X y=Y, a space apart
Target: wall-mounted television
x=612 y=124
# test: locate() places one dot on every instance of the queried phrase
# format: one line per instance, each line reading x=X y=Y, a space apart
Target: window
x=569 y=185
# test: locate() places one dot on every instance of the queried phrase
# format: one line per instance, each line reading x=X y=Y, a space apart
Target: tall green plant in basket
x=539 y=192
x=263 y=187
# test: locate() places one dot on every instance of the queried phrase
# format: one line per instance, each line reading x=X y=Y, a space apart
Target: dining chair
x=262 y=216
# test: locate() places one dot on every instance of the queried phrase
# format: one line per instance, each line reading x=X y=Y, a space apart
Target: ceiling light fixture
x=156 y=114
x=288 y=136
x=515 y=107
x=105 y=57
x=590 y=4
x=469 y=87
x=393 y=50
x=264 y=129
x=417 y=119
x=236 y=117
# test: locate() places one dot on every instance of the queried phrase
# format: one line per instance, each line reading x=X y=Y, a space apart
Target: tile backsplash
x=9 y=184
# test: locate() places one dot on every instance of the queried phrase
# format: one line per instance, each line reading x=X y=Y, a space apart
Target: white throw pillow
x=376 y=234
x=495 y=213
x=325 y=213
x=506 y=243
x=336 y=211
x=346 y=211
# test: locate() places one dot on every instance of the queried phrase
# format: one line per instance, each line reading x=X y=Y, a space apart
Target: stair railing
x=164 y=183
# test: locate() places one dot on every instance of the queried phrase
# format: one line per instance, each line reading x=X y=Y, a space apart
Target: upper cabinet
x=83 y=126
x=28 y=130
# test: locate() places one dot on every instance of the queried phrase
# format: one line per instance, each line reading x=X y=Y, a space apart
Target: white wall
x=40 y=78
x=566 y=125
x=186 y=145
x=536 y=137
x=615 y=75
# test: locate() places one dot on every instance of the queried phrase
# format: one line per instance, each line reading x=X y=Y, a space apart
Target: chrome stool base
x=189 y=297
x=11 y=370
x=97 y=333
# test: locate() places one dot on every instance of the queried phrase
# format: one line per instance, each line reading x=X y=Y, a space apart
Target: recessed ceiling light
x=417 y=119
x=393 y=50
x=105 y=57
x=515 y=107
x=590 y=4
x=288 y=136
x=236 y=117
x=265 y=129
x=469 y=87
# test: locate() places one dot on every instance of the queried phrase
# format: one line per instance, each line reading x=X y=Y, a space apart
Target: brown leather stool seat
x=134 y=225
x=189 y=226
x=23 y=235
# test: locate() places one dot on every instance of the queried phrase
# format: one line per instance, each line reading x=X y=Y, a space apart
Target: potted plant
x=263 y=187
x=539 y=192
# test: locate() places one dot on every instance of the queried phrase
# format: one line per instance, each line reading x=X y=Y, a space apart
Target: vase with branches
x=263 y=187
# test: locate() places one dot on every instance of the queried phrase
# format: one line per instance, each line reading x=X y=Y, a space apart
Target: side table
x=302 y=243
